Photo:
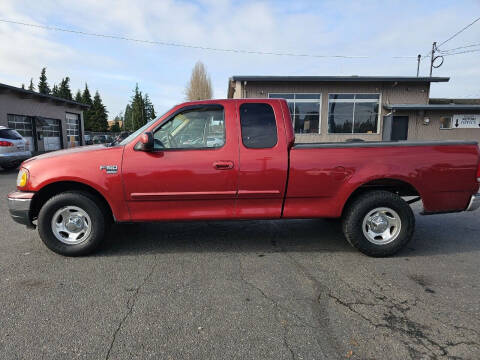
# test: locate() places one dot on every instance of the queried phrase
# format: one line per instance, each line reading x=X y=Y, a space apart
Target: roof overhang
x=353 y=78
x=425 y=107
x=43 y=97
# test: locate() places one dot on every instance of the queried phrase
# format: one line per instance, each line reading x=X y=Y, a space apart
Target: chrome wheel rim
x=71 y=225
x=381 y=226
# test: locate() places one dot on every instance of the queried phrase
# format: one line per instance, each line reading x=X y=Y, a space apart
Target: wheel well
x=44 y=194
x=399 y=187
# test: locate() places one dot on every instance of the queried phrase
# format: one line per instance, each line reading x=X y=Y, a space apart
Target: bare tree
x=200 y=85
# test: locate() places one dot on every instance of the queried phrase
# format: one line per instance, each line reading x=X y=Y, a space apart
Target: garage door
x=51 y=134
x=73 y=129
x=24 y=125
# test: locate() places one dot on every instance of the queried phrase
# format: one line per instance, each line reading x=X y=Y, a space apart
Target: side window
x=259 y=128
x=193 y=129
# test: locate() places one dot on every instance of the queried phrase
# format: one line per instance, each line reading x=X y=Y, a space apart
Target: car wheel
x=378 y=223
x=72 y=224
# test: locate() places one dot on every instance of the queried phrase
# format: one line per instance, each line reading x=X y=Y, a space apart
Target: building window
x=353 y=113
x=305 y=111
x=73 y=129
x=445 y=122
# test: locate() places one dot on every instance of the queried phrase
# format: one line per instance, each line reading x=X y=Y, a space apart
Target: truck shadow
x=439 y=234
x=225 y=236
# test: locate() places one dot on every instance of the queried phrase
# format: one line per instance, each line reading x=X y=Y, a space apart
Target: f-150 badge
x=110 y=169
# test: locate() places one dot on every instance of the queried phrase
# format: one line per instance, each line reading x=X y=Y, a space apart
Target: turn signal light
x=6 y=143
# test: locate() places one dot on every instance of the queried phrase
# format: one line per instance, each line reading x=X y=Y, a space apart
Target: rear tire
x=378 y=223
x=72 y=223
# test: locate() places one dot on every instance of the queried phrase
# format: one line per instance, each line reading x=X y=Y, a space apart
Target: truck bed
x=323 y=176
x=355 y=144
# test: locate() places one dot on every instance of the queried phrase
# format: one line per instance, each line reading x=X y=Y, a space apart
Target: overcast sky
x=377 y=29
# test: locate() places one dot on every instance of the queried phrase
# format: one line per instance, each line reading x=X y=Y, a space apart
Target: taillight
x=478 y=172
x=6 y=143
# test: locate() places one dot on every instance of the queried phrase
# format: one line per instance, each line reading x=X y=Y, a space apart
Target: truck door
x=192 y=172
x=263 y=160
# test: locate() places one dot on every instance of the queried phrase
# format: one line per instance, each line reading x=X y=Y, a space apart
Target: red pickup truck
x=237 y=159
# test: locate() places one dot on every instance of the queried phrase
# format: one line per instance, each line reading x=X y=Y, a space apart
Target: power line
x=460 y=47
x=174 y=44
x=462 y=52
x=459 y=32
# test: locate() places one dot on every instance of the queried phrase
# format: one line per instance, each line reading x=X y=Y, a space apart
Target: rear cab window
x=9 y=134
x=258 y=125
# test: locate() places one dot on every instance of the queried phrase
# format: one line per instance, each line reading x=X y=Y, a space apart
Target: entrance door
x=399 y=128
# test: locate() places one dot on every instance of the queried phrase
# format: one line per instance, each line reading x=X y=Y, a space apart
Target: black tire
x=99 y=223
x=360 y=208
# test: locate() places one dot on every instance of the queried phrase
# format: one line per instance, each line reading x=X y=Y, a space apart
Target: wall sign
x=469 y=121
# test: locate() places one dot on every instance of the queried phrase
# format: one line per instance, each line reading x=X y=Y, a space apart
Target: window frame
x=302 y=101
x=354 y=100
x=190 y=108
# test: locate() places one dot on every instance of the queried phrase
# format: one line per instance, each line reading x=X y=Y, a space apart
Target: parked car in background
x=102 y=139
x=88 y=139
x=237 y=159
x=13 y=148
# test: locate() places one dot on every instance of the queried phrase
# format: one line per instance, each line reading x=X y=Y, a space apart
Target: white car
x=13 y=148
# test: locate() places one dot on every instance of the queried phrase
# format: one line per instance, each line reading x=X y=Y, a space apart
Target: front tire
x=72 y=224
x=378 y=223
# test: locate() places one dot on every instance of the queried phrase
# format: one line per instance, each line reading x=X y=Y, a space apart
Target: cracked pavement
x=244 y=290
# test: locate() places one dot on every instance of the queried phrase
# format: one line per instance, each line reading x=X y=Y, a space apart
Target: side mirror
x=146 y=142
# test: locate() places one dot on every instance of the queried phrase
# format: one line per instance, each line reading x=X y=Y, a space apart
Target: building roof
x=407 y=107
x=33 y=94
x=353 y=78
x=445 y=101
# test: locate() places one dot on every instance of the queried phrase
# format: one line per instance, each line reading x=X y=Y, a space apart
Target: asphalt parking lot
x=241 y=290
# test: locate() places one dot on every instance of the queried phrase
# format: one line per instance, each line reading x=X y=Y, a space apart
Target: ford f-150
x=237 y=159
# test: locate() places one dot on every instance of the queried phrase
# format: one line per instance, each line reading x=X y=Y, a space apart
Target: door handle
x=223 y=165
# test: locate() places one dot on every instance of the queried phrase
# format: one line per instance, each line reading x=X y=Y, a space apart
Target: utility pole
x=432 y=58
x=418 y=64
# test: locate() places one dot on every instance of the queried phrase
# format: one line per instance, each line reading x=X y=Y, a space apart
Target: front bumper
x=11 y=158
x=19 y=204
x=474 y=203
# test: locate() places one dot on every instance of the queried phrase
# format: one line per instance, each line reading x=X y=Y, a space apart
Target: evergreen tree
x=139 y=116
x=98 y=114
x=43 y=87
x=138 y=112
x=87 y=99
x=31 y=87
x=149 y=109
x=55 y=91
x=64 y=89
x=127 y=119
x=23 y=86
x=78 y=96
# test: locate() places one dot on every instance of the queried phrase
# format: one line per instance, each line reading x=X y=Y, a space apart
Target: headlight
x=22 y=178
